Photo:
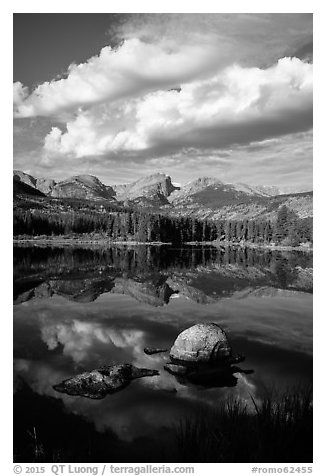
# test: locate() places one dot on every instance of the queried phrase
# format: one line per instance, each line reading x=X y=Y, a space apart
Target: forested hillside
x=113 y=222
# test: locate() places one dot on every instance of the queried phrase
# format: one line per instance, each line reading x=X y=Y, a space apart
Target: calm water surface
x=76 y=309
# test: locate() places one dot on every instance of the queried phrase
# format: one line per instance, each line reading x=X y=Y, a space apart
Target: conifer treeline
x=130 y=225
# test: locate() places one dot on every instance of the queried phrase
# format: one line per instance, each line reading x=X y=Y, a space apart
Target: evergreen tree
x=281 y=225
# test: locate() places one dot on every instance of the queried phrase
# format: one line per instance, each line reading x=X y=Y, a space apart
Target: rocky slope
x=43 y=185
x=212 y=199
x=23 y=188
x=228 y=206
x=148 y=191
x=214 y=190
x=20 y=176
x=82 y=186
x=151 y=190
x=79 y=186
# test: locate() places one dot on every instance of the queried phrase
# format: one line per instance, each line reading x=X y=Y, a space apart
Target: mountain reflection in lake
x=79 y=309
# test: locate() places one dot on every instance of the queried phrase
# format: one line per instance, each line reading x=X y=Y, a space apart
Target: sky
x=121 y=96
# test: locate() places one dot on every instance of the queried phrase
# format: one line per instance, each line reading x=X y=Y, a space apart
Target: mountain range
x=204 y=198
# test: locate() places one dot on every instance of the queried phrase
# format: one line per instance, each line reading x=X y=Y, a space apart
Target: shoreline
x=103 y=242
x=248 y=244
x=88 y=241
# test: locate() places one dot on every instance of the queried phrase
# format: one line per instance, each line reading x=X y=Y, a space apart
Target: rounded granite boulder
x=201 y=343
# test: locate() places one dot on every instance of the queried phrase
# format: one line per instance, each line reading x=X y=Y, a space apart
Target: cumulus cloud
x=174 y=90
x=131 y=69
x=78 y=338
x=20 y=93
x=243 y=37
x=237 y=105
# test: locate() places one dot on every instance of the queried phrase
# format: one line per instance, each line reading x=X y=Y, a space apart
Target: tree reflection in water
x=154 y=274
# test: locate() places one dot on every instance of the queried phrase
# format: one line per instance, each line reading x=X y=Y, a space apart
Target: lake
x=76 y=309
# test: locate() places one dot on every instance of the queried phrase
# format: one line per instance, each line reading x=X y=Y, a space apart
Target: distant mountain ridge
x=203 y=183
x=157 y=187
x=203 y=198
x=78 y=186
x=23 y=188
x=82 y=186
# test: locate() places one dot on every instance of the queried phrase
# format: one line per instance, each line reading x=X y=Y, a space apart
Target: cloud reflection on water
x=56 y=338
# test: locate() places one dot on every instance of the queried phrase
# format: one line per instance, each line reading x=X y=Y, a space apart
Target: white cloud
x=236 y=105
x=133 y=68
x=20 y=93
x=113 y=112
x=78 y=337
x=252 y=39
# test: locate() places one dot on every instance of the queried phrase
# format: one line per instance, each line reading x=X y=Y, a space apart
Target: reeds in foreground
x=274 y=429
x=279 y=428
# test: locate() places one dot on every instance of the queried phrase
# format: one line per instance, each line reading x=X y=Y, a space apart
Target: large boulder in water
x=201 y=343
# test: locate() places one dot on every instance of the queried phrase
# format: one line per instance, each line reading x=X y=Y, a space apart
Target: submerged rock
x=176 y=369
x=154 y=350
x=206 y=375
x=201 y=343
x=102 y=381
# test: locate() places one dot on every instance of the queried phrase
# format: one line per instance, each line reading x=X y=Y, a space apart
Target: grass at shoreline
x=66 y=240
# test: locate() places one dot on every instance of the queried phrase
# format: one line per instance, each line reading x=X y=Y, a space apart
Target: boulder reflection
x=208 y=376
